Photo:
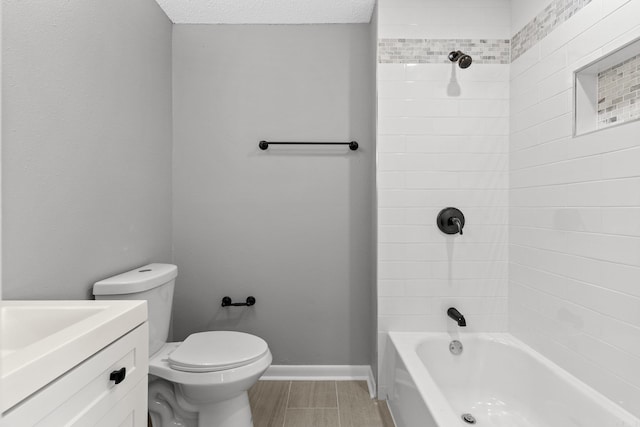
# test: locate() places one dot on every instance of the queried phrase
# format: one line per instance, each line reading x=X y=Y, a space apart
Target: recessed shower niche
x=607 y=91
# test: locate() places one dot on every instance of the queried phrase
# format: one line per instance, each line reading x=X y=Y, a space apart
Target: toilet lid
x=217 y=350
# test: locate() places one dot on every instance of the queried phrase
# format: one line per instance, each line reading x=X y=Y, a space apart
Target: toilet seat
x=159 y=367
x=216 y=351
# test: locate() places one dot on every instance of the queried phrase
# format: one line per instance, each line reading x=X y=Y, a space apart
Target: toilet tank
x=153 y=283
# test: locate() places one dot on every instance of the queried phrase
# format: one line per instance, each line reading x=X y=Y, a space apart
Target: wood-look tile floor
x=316 y=404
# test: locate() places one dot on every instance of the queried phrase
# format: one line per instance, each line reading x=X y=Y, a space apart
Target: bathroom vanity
x=73 y=363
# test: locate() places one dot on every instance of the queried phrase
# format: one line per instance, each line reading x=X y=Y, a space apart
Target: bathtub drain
x=468 y=418
x=455 y=347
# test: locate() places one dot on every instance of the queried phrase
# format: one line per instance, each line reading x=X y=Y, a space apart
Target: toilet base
x=234 y=412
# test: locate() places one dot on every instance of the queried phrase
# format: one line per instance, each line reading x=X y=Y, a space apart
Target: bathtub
x=496 y=379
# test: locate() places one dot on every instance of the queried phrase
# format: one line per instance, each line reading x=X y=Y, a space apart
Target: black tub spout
x=457 y=316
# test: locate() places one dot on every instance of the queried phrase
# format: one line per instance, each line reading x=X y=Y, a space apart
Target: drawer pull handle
x=118 y=376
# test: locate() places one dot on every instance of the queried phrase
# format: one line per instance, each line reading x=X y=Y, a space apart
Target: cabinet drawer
x=83 y=395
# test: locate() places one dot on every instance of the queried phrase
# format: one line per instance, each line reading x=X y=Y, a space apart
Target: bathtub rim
x=405 y=345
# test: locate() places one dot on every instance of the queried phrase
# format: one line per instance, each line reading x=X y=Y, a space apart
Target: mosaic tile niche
x=619 y=93
x=607 y=91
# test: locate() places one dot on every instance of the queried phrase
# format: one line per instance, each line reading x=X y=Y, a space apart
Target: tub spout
x=457 y=316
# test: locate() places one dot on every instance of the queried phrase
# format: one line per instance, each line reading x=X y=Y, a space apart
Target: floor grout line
x=286 y=406
x=338 y=404
x=314 y=407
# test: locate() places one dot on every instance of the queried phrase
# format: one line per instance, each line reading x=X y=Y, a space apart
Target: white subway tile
x=483 y=108
x=538 y=280
x=391 y=288
x=405 y=125
x=442 y=162
x=391 y=180
x=607 y=140
x=620 y=249
x=621 y=164
x=410 y=90
x=620 y=334
x=566 y=219
x=391 y=144
x=419 y=108
x=622 y=221
x=440 y=73
x=615 y=304
x=409 y=305
x=556 y=128
x=551 y=196
x=541 y=154
x=391 y=216
x=475 y=287
x=461 y=251
x=449 y=144
x=483 y=72
x=525 y=61
x=560 y=82
x=524 y=100
x=526 y=138
x=391 y=72
x=471 y=126
x=571 y=28
x=619 y=192
x=551 y=64
x=539 y=238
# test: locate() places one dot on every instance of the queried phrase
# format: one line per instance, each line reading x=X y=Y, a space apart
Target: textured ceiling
x=267 y=11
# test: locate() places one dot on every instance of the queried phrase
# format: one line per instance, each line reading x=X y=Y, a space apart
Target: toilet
x=202 y=381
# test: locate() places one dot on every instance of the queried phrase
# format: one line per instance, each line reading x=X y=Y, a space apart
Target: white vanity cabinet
x=87 y=394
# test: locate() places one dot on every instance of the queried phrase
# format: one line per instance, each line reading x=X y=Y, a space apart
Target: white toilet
x=202 y=381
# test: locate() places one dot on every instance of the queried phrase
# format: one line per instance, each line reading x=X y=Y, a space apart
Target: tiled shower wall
x=619 y=93
x=442 y=141
x=575 y=203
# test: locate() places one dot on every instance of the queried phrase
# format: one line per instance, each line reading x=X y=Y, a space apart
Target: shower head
x=463 y=60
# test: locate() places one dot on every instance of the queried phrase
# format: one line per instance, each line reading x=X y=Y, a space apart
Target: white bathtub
x=498 y=379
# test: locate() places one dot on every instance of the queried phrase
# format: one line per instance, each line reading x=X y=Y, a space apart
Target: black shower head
x=464 y=60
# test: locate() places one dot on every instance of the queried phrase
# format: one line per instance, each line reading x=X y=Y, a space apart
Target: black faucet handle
x=450 y=221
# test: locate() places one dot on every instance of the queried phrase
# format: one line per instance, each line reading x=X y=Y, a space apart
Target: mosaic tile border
x=483 y=51
x=555 y=14
x=435 y=51
x=619 y=93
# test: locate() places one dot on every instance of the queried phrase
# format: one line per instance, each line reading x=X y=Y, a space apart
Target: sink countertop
x=41 y=340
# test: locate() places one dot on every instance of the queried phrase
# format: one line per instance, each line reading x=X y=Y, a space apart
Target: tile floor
x=316 y=404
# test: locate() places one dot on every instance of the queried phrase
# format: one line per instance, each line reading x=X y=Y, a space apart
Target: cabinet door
x=85 y=394
x=131 y=411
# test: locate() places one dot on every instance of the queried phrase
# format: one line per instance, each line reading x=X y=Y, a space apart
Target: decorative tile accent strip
x=549 y=19
x=435 y=51
x=619 y=93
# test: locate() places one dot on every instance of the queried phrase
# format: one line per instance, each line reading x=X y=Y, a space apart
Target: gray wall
x=291 y=226
x=86 y=182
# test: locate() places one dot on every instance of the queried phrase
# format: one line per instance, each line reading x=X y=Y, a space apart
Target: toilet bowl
x=202 y=381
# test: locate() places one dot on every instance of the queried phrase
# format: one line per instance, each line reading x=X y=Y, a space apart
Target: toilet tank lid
x=137 y=280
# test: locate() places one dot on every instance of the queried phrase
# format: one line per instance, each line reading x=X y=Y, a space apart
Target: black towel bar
x=353 y=145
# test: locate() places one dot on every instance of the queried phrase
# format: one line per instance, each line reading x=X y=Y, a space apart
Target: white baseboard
x=322 y=372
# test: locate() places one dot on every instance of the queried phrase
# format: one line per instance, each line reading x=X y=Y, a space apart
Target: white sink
x=41 y=340
x=21 y=326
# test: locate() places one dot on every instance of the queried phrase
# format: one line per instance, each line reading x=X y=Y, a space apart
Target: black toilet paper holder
x=226 y=302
